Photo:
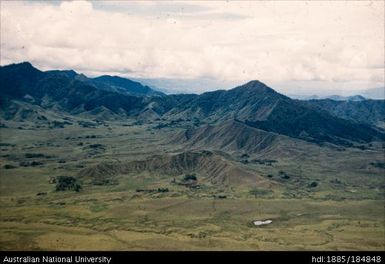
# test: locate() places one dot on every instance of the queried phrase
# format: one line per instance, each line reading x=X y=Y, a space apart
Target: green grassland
x=320 y=198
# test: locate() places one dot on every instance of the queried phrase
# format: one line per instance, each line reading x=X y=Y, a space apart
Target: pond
x=262 y=222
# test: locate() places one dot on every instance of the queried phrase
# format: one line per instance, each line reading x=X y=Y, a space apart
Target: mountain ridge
x=253 y=103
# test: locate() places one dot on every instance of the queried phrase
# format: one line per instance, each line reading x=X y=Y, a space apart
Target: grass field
x=344 y=210
x=119 y=222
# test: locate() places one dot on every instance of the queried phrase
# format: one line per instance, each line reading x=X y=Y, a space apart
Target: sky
x=299 y=47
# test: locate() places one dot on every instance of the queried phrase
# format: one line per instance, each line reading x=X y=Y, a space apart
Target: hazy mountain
x=331 y=97
x=177 y=86
x=348 y=95
x=345 y=98
x=374 y=93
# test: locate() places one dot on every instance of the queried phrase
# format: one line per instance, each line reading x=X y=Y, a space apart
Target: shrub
x=162 y=189
x=190 y=177
x=36 y=163
x=9 y=166
x=64 y=183
x=378 y=164
x=34 y=155
x=284 y=175
x=96 y=146
x=33 y=163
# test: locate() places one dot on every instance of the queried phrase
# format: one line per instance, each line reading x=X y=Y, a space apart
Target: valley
x=127 y=209
x=87 y=165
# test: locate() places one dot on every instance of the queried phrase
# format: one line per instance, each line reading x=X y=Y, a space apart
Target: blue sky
x=305 y=47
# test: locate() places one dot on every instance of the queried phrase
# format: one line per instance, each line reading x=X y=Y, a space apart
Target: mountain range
x=253 y=106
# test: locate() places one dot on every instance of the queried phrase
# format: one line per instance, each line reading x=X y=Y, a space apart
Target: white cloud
x=323 y=44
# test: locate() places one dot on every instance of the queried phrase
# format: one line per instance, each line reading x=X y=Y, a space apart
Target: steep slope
x=231 y=135
x=299 y=121
x=208 y=165
x=237 y=138
x=261 y=107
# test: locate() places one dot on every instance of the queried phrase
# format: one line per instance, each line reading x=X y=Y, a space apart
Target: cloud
x=338 y=44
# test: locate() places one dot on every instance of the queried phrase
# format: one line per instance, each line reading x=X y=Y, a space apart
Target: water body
x=262 y=222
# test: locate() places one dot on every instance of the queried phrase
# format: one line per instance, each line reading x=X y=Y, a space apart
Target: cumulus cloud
x=336 y=45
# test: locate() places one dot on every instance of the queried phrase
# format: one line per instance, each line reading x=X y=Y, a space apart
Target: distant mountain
x=66 y=73
x=132 y=87
x=346 y=98
x=71 y=92
x=363 y=111
x=374 y=93
x=331 y=97
x=253 y=104
x=353 y=95
x=178 y=86
x=109 y=83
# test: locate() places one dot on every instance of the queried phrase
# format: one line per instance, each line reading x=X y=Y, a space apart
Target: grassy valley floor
x=344 y=210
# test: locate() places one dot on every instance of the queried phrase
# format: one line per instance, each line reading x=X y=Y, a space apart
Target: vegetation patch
x=284 y=175
x=159 y=190
x=258 y=192
x=35 y=155
x=67 y=183
x=313 y=184
x=9 y=166
x=378 y=164
x=30 y=163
